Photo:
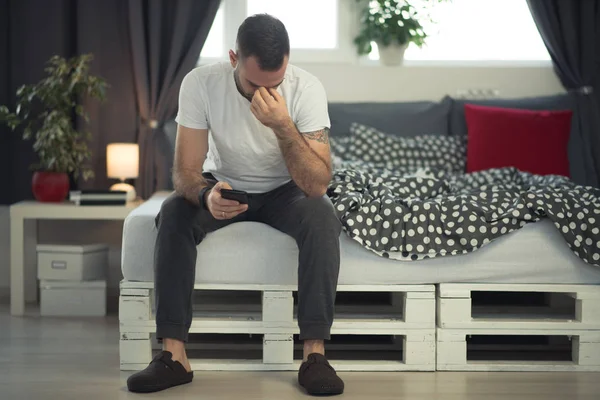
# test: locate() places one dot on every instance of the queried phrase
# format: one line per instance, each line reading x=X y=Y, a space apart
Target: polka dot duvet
x=409 y=199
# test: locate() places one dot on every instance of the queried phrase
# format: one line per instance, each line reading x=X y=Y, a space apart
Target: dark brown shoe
x=319 y=378
x=162 y=373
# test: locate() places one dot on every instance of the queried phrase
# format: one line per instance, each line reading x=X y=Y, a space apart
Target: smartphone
x=235 y=195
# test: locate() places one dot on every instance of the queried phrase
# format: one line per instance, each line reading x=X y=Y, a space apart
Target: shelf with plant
x=46 y=112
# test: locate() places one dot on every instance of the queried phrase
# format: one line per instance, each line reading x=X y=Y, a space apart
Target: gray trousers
x=310 y=221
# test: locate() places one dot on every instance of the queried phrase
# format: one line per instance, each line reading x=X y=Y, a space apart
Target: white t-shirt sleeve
x=312 y=113
x=192 y=103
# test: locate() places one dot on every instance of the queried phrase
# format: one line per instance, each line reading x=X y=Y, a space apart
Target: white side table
x=23 y=240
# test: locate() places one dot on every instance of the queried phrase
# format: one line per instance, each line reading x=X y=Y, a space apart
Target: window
x=312 y=25
x=213 y=47
x=323 y=31
x=477 y=30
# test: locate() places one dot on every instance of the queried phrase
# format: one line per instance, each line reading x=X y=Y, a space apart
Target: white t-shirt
x=242 y=151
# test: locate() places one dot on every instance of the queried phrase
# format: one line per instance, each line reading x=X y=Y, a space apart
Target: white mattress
x=254 y=253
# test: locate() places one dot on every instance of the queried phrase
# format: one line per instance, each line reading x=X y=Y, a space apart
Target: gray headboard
x=444 y=117
x=402 y=118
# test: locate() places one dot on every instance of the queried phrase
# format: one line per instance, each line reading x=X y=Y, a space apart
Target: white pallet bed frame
x=277 y=323
x=427 y=346
x=456 y=321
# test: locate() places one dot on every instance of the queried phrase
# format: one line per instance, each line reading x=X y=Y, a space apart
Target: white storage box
x=72 y=262
x=73 y=299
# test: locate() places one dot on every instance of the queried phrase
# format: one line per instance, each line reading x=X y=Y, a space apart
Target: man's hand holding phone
x=221 y=208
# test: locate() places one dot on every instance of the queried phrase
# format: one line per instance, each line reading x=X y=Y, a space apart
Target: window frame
x=464 y=63
x=345 y=52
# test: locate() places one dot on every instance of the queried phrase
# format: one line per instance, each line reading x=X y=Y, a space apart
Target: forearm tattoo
x=321 y=136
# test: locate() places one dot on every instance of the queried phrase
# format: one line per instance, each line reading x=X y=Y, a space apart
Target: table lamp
x=122 y=162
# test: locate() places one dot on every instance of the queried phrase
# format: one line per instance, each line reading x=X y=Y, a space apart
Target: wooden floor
x=58 y=358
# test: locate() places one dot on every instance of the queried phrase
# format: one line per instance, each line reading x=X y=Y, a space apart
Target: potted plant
x=47 y=112
x=393 y=25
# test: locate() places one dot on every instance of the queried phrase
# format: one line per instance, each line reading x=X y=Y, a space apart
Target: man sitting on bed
x=259 y=125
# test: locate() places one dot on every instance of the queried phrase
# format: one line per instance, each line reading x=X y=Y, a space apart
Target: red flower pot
x=50 y=187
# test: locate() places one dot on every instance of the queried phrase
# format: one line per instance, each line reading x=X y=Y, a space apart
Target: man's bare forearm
x=188 y=183
x=310 y=172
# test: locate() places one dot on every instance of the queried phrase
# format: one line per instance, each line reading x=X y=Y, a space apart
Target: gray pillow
x=404 y=118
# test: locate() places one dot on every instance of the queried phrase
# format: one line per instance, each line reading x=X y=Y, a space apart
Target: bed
x=432 y=311
x=250 y=252
x=431 y=317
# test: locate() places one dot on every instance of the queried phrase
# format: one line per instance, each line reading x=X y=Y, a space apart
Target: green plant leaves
x=47 y=108
x=392 y=21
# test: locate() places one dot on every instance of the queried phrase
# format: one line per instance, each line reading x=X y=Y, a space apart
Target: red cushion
x=531 y=141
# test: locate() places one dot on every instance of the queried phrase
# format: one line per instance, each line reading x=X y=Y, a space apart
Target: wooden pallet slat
x=586 y=353
x=411 y=315
x=125 y=291
x=455 y=308
x=229 y=326
x=418 y=308
x=261 y=288
x=587 y=310
x=277 y=308
x=451 y=351
x=135 y=349
x=134 y=308
x=278 y=349
x=464 y=289
x=418 y=350
x=259 y=365
x=457 y=318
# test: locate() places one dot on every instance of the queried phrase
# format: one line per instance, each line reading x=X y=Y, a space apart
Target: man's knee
x=175 y=209
x=319 y=213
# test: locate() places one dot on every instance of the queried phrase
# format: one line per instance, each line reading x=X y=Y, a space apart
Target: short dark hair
x=264 y=37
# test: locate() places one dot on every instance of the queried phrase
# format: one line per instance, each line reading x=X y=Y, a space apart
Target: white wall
x=344 y=83
x=351 y=83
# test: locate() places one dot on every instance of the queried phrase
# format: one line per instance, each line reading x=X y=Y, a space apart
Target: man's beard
x=239 y=86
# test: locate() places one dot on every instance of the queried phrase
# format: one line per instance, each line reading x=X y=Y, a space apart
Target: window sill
x=464 y=63
x=410 y=63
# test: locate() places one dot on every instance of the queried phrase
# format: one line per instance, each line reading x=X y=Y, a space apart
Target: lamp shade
x=122 y=160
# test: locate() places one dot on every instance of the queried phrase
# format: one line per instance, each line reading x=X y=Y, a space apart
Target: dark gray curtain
x=571 y=31
x=166 y=38
x=31 y=31
x=101 y=29
x=142 y=48
x=5 y=159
